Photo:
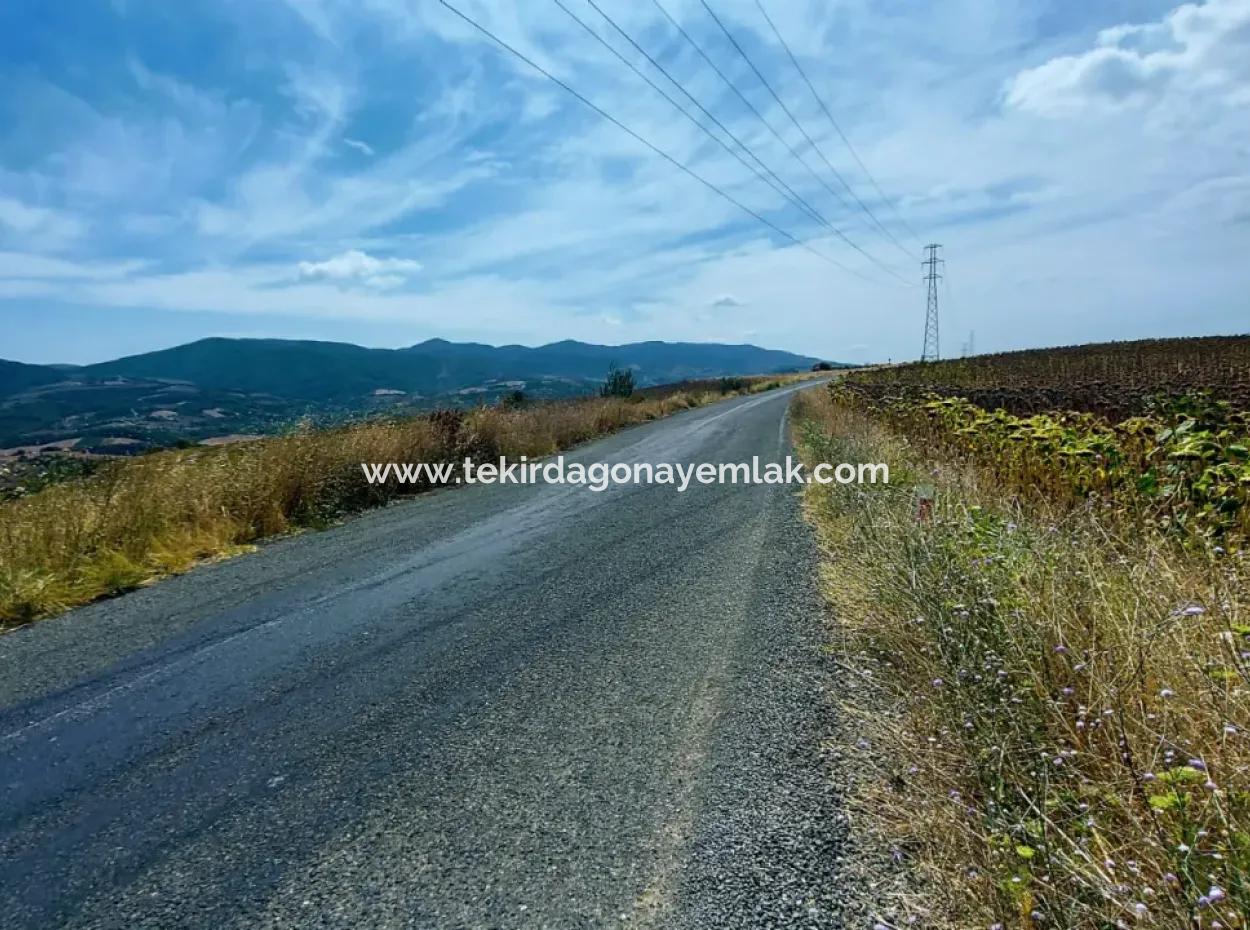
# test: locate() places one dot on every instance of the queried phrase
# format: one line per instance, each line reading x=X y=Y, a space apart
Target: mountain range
x=220 y=386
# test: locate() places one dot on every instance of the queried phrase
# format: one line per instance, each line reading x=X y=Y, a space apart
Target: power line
x=658 y=151
x=746 y=101
x=810 y=141
x=763 y=80
x=796 y=200
x=838 y=129
x=811 y=211
x=788 y=192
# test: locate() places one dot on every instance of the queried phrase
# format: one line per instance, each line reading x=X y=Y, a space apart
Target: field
x=1114 y=380
x=1061 y=428
x=1048 y=611
x=135 y=519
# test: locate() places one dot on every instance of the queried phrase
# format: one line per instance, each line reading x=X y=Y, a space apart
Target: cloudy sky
x=376 y=171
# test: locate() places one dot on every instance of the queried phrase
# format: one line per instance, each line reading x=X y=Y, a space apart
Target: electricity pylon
x=932 y=350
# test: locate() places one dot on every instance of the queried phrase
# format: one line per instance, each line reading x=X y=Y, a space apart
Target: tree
x=620 y=383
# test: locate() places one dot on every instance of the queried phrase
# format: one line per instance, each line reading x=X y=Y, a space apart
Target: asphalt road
x=485 y=707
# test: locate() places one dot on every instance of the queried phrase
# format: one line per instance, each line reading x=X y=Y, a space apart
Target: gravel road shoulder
x=772 y=845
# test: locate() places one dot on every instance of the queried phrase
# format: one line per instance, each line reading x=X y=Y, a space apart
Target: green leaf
x=1025 y=852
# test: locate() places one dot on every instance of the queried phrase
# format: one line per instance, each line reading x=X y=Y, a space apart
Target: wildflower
x=937 y=682
x=1197 y=765
x=1229 y=729
x=1167 y=693
x=1210 y=785
x=1061 y=649
x=1140 y=909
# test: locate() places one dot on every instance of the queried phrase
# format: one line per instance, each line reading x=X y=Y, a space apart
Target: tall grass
x=137 y=519
x=1060 y=704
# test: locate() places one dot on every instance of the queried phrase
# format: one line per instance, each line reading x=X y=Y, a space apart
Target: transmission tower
x=931 y=351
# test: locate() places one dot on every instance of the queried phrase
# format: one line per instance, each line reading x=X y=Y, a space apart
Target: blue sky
x=374 y=171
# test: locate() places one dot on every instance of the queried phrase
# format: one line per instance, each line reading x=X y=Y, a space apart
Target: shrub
x=620 y=383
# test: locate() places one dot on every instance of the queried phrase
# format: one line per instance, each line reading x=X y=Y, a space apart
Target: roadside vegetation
x=1045 y=624
x=137 y=519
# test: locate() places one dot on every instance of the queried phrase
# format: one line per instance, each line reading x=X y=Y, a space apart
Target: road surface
x=485 y=707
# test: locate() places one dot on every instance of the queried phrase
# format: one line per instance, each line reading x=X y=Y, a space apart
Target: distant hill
x=18 y=376
x=335 y=371
x=231 y=386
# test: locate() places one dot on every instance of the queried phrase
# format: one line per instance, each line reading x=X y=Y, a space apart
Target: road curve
x=488 y=707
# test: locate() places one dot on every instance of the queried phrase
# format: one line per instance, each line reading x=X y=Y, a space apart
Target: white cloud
x=1199 y=50
x=363 y=147
x=356 y=267
x=727 y=300
x=38 y=227
x=29 y=265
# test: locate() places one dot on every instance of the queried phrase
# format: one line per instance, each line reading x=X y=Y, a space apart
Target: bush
x=620 y=383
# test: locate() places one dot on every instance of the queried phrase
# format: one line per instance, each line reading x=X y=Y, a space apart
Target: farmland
x=1157 y=431
x=1114 y=380
x=1058 y=646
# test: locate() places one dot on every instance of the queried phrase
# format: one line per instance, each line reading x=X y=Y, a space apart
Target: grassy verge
x=1059 y=699
x=138 y=519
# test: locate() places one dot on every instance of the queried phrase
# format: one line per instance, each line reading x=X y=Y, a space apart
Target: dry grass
x=142 y=518
x=1063 y=705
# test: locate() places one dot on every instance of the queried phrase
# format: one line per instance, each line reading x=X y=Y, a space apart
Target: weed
x=1066 y=694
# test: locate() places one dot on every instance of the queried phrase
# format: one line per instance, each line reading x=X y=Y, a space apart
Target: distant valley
x=218 y=389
